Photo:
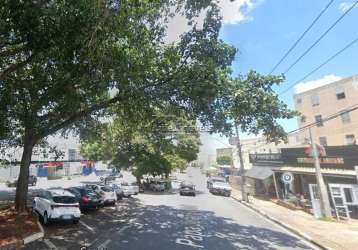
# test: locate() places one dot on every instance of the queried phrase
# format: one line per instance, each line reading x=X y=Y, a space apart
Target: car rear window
x=64 y=199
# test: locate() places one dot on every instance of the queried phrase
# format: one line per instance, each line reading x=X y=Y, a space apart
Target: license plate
x=67 y=217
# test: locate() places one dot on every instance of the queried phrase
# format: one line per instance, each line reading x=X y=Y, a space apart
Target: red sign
x=320 y=150
x=87 y=162
x=53 y=164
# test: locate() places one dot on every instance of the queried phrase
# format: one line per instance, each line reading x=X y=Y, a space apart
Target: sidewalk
x=328 y=235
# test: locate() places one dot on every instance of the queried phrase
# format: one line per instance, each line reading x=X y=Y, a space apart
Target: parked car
x=56 y=205
x=211 y=180
x=13 y=182
x=128 y=190
x=218 y=187
x=135 y=187
x=108 y=195
x=187 y=189
x=157 y=185
x=87 y=198
x=118 y=189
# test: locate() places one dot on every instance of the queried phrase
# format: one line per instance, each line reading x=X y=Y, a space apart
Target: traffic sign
x=287 y=177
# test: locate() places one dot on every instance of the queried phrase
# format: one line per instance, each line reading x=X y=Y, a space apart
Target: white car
x=108 y=195
x=222 y=188
x=128 y=190
x=56 y=205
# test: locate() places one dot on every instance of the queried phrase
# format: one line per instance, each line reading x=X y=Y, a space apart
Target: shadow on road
x=131 y=225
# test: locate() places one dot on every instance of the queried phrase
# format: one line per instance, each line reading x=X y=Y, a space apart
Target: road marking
x=104 y=244
x=87 y=226
x=122 y=229
x=50 y=244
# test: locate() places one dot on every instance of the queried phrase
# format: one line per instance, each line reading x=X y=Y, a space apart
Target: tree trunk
x=22 y=182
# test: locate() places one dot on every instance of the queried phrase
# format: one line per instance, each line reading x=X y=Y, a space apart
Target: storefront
x=338 y=170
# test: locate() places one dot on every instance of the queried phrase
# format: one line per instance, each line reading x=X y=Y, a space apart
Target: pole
x=274 y=182
x=324 y=200
x=242 y=169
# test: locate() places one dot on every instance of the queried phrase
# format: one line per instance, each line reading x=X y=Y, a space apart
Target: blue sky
x=269 y=29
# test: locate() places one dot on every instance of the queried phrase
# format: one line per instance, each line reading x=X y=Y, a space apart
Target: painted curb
x=284 y=225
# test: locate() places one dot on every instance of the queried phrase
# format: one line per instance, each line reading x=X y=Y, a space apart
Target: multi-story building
x=319 y=103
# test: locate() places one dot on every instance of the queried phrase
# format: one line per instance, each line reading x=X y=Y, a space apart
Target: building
x=318 y=103
x=223 y=152
x=337 y=167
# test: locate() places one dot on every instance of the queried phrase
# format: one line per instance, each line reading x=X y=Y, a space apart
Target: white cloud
x=344 y=6
x=232 y=13
x=305 y=86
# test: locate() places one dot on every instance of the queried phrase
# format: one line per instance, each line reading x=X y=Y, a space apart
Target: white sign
x=287 y=177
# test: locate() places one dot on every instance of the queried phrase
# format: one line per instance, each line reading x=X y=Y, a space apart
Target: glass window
x=323 y=141
x=336 y=191
x=340 y=93
x=319 y=121
x=350 y=140
x=338 y=201
x=348 y=194
x=346 y=118
x=315 y=99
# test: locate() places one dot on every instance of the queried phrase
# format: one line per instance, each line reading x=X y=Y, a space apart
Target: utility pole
x=323 y=194
x=242 y=169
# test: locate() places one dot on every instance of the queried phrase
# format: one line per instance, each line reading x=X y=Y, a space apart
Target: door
x=315 y=199
x=339 y=200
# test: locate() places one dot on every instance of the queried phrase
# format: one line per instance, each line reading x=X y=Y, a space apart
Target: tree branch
x=15 y=66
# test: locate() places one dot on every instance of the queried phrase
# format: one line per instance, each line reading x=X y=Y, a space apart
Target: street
x=170 y=221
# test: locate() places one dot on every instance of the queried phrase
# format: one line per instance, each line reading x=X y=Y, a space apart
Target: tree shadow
x=132 y=225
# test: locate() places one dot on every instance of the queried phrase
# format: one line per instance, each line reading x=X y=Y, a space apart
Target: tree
x=156 y=146
x=224 y=160
x=63 y=63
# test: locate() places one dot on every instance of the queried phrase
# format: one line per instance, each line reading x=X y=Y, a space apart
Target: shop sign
x=336 y=160
x=287 y=177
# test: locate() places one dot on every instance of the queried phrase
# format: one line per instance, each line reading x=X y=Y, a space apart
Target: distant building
x=223 y=152
x=321 y=102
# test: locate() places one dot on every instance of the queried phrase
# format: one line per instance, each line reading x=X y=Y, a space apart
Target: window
x=299 y=100
x=340 y=93
x=350 y=140
x=323 y=141
x=348 y=193
x=318 y=119
x=315 y=99
x=303 y=119
x=346 y=118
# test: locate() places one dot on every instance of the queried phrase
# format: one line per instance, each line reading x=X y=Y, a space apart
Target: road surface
x=169 y=221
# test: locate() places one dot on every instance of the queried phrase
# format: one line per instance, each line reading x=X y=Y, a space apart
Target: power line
x=321 y=37
x=301 y=37
x=321 y=65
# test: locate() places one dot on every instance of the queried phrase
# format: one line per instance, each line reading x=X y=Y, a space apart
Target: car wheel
x=45 y=219
x=120 y=197
x=75 y=221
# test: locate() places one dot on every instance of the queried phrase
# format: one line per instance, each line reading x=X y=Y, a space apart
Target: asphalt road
x=169 y=221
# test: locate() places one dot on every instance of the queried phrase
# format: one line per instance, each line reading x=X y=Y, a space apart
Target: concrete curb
x=284 y=225
x=33 y=237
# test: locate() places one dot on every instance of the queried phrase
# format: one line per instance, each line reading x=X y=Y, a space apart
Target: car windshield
x=107 y=189
x=219 y=180
x=64 y=199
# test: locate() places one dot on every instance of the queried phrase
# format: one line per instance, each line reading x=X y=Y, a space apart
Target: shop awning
x=260 y=173
x=325 y=171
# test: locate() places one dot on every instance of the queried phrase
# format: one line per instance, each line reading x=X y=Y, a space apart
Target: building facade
x=319 y=103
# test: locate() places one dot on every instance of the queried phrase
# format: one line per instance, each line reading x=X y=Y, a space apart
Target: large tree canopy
x=60 y=59
x=64 y=64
